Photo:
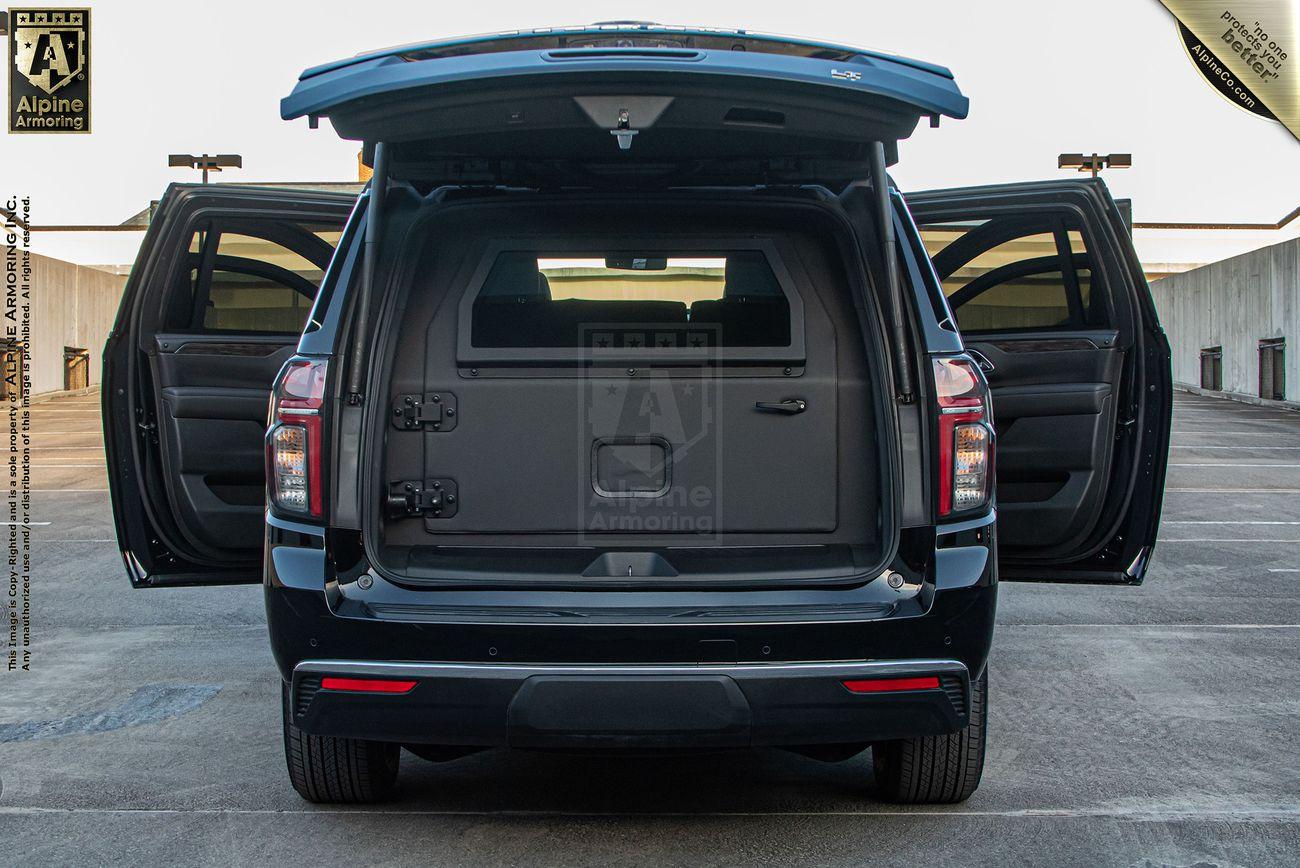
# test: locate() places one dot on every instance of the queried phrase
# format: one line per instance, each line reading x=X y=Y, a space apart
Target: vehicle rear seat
x=519 y=312
x=752 y=312
x=506 y=314
x=745 y=322
x=577 y=322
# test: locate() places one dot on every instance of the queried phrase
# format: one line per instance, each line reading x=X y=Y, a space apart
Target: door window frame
x=153 y=306
x=293 y=237
x=984 y=239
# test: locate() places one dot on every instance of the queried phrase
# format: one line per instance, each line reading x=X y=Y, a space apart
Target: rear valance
x=681 y=109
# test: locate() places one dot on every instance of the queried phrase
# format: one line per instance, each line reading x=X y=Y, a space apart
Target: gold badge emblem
x=49 y=72
x=50 y=46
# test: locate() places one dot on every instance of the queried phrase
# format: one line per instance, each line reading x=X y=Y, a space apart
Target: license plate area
x=556 y=711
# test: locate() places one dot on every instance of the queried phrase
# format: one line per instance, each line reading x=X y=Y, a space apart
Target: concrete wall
x=1234 y=303
x=72 y=306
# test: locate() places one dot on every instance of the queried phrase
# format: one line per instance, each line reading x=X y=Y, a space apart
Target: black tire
x=936 y=769
x=326 y=770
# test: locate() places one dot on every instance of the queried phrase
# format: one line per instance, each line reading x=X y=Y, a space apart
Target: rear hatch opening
x=581 y=391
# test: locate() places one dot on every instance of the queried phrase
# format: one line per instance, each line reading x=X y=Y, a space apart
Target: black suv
x=632 y=408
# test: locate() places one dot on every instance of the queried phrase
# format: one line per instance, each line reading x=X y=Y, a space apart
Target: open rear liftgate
x=641 y=107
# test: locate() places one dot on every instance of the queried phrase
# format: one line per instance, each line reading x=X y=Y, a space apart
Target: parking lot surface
x=1129 y=726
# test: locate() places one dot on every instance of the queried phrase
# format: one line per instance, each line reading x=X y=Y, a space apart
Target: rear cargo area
x=671 y=390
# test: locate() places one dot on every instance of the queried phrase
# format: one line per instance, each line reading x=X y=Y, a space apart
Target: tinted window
x=1014 y=273
x=250 y=302
x=660 y=300
x=252 y=276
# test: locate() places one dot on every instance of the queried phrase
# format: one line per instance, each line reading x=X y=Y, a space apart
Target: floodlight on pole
x=1094 y=163
x=206 y=162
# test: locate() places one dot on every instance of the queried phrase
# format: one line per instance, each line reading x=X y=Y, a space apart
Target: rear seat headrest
x=515 y=275
x=748 y=274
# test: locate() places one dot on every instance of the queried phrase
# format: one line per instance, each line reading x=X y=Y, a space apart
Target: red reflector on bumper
x=366 y=685
x=885 y=685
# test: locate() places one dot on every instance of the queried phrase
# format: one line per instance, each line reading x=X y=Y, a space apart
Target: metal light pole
x=206 y=162
x=1094 y=163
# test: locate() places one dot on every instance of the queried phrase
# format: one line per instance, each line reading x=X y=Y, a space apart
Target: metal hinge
x=431 y=498
x=435 y=409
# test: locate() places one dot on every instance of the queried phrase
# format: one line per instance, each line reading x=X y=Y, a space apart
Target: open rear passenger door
x=1045 y=287
x=220 y=292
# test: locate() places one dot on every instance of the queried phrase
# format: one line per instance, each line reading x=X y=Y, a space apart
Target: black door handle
x=981 y=361
x=791 y=405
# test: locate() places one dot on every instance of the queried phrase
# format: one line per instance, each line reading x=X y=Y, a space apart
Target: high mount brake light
x=293 y=441
x=965 y=435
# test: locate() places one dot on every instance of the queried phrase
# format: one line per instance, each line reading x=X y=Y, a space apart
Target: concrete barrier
x=1234 y=304
x=72 y=306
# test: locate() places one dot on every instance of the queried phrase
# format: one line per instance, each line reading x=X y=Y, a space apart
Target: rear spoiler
x=583 y=35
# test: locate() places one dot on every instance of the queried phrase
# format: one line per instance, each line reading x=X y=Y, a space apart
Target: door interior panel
x=212 y=405
x=234 y=305
x=1054 y=414
x=1027 y=294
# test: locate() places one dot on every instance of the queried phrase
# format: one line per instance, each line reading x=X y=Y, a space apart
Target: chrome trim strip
x=586 y=622
x=845 y=669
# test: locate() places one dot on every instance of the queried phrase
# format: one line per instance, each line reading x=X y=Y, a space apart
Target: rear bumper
x=601 y=706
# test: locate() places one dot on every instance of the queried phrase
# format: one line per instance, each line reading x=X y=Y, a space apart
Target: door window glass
x=249 y=302
x=1014 y=273
x=252 y=276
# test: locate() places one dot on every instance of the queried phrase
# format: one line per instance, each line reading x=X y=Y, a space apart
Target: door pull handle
x=981 y=361
x=790 y=406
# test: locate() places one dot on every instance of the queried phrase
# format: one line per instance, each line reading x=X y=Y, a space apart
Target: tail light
x=965 y=435
x=293 y=440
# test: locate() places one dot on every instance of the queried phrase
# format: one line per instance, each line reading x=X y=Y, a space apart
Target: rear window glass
x=631 y=299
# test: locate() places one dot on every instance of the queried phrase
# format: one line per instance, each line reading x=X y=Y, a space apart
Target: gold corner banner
x=1246 y=50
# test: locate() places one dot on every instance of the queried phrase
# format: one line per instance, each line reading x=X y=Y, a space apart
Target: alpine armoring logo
x=655 y=438
x=1220 y=77
x=49 y=75
x=1246 y=51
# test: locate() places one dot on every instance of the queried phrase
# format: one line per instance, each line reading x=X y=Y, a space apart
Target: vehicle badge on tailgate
x=846 y=74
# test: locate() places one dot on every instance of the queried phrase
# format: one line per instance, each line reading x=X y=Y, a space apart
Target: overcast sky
x=1042 y=78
